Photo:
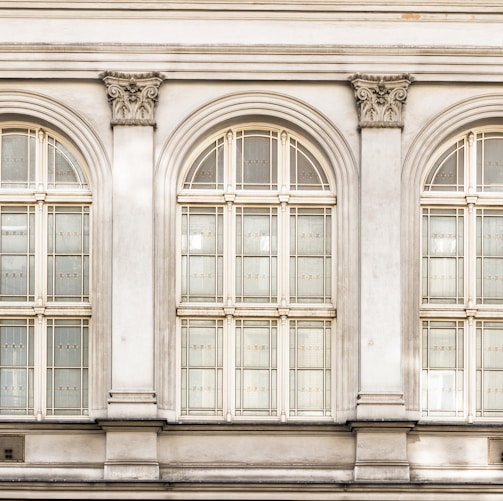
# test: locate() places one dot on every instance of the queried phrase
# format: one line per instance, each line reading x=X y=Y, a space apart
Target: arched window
x=45 y=212
x=256 y=284
x=462 y=279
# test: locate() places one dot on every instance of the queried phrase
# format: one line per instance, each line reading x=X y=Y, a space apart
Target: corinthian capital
x=380 y=99
x=132 y=96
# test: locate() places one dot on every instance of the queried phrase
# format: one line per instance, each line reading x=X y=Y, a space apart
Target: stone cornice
x=329 y=63
x=374 y=6
x=132 y=96
x=380 y=99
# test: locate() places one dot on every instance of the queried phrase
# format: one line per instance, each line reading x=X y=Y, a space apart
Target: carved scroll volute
x=380 y=99
x=133 y=97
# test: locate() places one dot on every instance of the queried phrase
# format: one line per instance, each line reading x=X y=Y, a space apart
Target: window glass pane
x=310 y=362
x=490 y=256
x=67 y=364
x=256 y=367
x=18 y=158
x=443 y=256
x=305 y=171
x=310 y=250
x=201 y=361
x=68 y=253
x=490 y=162
x=207 y=170
x=256 y=254
x=17 y=251
x=489 y=369
x=448 y=172
x=256 y=160
x=16 y=366
x=63 y=169
x=202 y=241
x=443 y=364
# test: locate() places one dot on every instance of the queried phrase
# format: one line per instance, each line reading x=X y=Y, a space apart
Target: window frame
x=41 y=311
x=472 y=200
x=229 y=197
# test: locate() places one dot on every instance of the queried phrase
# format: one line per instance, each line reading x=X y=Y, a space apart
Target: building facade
x=251 y=250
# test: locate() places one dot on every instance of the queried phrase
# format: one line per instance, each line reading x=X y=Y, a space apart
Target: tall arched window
x=462 y=279
x=256 y=286
x=45 y=308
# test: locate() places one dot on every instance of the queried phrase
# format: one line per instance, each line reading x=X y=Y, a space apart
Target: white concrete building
x=251 y=250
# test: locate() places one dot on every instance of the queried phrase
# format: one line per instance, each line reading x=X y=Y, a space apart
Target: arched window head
x=473 y=163
x=32 y=158
x=256 y=307
x=256 y=159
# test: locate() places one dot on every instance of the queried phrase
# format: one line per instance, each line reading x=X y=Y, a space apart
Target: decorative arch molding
x=39 y=108
x=297 y=115
x=463 y=115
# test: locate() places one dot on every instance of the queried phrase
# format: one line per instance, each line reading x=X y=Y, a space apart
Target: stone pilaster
x=380 y=100
x=131 y=450
x=133 y=98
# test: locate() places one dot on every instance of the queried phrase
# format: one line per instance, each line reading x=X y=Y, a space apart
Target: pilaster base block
x=132 y=405
x=381 y=450
x=131 y=449
x=374 y=406
x=131 y=470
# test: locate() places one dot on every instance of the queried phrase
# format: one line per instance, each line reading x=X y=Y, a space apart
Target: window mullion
x=40 y=363
x=229 y=387
x=283 y=368
x=470 y=371
x=471 y=255
x=41 y=242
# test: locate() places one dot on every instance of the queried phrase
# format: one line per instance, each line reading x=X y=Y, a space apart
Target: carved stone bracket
x=380 y=98
x=132 y=96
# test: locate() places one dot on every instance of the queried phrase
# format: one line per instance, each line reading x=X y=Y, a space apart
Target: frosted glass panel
x=16 y=367
x=68 y=254
x=310 y=391
x=443 y=348
x=18 y=158
x=448 y=172
x=256 y=389
x=443 y=264
x=201 y=264
x=67 y=363
x=201 y=361
x=492 y=347
x=310 y=362
x=256 y=160
x=443 y=363
x=202 y=389
x=490 y=162
x=203 y=276
x=442 y=392
x=17 y=246
x=489 y=256
x=63 y=169
x=310 y=346
x=256 y=362
x=256 y=255
x=489 y=368
x=305 y=171
x=207 y=170
x=492 y=391
x=310 y=248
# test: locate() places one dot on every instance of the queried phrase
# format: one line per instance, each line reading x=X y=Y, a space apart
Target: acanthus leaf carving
x=133 y=97
x=380 y=99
